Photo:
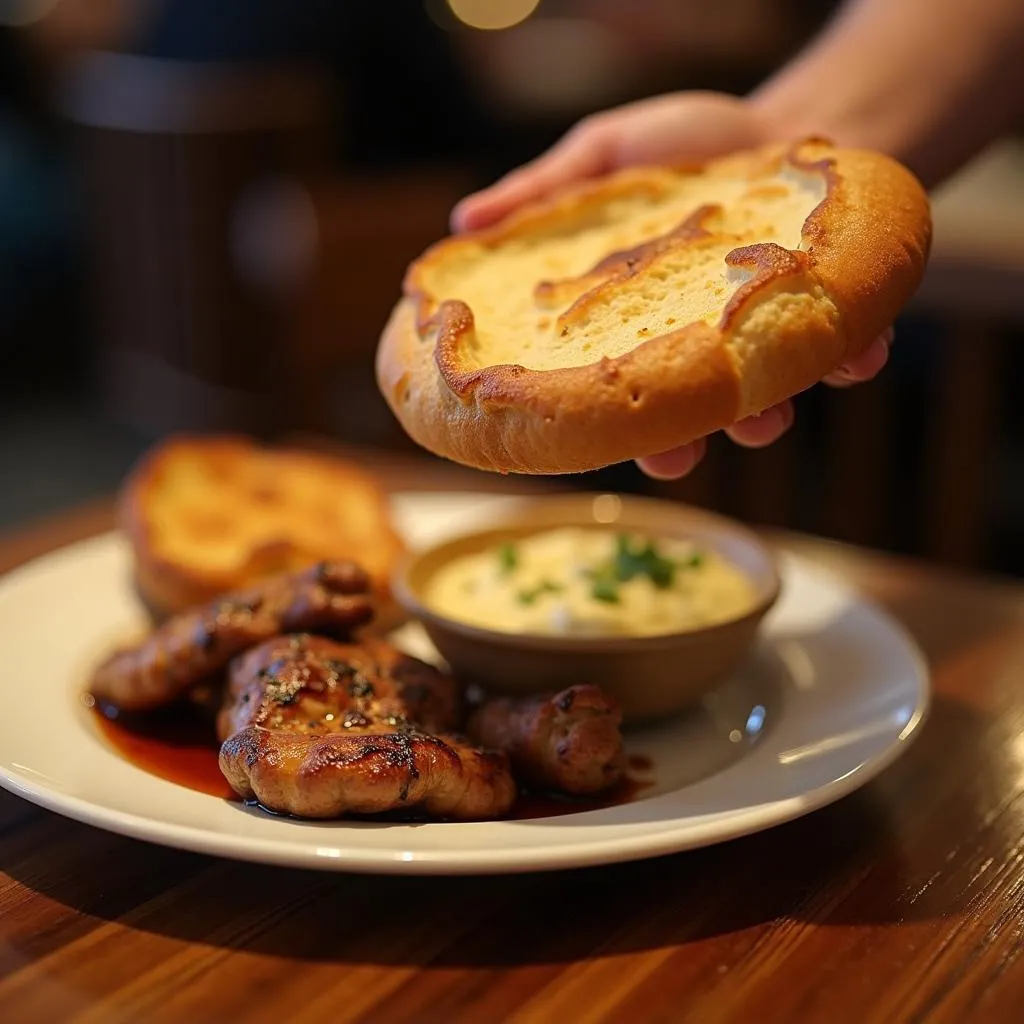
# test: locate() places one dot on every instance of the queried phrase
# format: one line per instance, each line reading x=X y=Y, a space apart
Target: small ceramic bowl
x=652 y=676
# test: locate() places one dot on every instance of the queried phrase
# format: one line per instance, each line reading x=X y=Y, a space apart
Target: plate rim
x=694 y=834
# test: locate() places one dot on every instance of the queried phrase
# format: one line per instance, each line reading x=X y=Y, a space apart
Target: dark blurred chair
x=195 y=180
x=241 y=280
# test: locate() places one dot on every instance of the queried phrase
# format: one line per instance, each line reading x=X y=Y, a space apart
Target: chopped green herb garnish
x=661 y=572
x=531 y=595
x=695 y=561
x=508 y=557
x=642 y=560
x=604 y=589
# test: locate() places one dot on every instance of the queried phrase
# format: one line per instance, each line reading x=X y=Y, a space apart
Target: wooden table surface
x=903 y=902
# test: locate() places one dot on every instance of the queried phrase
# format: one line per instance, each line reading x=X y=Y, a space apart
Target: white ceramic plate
x=832 y=697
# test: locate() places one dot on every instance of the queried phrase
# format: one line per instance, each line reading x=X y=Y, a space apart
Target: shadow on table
x=867 y=860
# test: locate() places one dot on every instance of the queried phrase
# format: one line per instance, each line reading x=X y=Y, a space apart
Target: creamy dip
x=575 y=581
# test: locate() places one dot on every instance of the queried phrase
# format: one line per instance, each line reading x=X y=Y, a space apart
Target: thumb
x=583 y=153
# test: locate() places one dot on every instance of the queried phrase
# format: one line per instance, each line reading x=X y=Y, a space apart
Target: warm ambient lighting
x=492 y=14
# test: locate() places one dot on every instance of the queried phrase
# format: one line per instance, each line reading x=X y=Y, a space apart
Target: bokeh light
x=492 y=14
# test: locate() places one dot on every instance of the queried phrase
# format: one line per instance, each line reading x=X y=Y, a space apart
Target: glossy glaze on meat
x=320 y=729
x=332 y=598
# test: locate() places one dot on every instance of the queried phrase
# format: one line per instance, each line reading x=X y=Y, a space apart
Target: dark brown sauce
x=550 y=805
x=177 y=744
x=180 y=745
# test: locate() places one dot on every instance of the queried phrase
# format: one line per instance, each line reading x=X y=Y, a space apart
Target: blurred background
x=206 y=209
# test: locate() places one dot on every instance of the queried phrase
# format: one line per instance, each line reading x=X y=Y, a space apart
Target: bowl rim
x=519 y=517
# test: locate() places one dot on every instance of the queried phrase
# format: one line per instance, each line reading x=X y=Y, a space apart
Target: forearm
x=929 y=81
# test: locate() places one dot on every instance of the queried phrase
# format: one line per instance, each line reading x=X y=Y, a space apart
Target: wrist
x=885 y=77
x=787 y=115
x=910 y=131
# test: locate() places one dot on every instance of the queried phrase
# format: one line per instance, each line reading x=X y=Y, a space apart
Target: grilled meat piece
x=331 y=598
x=320 y=729
x=296 y=682
x=568 y=741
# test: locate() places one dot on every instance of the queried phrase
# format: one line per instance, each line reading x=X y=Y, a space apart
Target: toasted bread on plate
x=631 y=314
x=208 y=515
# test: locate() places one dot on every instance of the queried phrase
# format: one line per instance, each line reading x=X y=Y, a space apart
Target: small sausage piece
x=569 y=741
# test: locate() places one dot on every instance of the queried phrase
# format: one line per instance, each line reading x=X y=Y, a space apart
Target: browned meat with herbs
x=320 y=729
x=331 y=598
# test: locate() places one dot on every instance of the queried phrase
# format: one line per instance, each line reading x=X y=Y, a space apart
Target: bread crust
x=172 y=575
x=794 y=316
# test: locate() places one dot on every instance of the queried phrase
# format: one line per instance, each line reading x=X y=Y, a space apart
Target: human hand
x=769 y=426
x=667 y=129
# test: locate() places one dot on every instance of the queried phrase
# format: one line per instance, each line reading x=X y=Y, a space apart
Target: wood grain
x=903 y=902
